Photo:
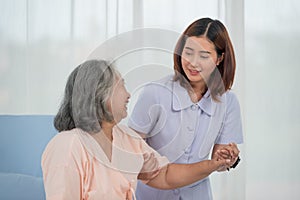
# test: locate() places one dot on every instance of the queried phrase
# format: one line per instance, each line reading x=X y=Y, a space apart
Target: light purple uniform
x=183 y=131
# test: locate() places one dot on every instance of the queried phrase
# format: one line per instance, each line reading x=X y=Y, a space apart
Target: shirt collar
x=206 y=104
x=181 y=100
x=180 y=97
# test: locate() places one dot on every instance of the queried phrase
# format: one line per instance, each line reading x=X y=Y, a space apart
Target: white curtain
x=41 y=42
x=272 y=97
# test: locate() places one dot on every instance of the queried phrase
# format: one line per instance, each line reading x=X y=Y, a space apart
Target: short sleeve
x=62 y=183
x=143 y=147
x=146 y=111
x=162 y=160
x=61 y=175
x=231 y=130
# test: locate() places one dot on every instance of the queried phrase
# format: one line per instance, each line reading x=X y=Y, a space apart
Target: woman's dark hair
x=87 y=91
x=222 y=77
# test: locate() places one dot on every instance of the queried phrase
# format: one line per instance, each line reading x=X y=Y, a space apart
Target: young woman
x=93 y=157
x=187 y=114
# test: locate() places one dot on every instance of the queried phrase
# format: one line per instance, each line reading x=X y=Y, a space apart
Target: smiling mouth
x=194 y=72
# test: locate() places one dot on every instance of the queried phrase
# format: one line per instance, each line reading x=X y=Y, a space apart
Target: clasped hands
x=229 y=152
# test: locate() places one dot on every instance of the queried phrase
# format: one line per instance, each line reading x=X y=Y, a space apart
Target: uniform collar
x=180 y=97
x=181 y=100
x=206 y=104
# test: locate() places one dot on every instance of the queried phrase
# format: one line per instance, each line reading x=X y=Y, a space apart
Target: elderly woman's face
x=119 y=100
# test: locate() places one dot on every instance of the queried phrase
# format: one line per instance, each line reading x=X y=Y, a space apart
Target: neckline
x=95 y=149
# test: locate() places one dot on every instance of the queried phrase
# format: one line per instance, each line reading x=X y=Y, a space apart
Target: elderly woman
x=93 y=157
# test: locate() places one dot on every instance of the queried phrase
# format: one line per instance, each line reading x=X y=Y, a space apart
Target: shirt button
x=194 y=107
x=189 y=128
x=187 y=151
x=176 y=192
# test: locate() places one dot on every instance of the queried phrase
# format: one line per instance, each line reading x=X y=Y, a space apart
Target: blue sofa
x=23 y=139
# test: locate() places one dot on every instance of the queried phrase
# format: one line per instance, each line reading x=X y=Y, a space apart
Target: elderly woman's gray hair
x=87 y=91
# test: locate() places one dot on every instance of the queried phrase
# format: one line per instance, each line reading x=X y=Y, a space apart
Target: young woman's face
x=119 y=100
x=199 y=58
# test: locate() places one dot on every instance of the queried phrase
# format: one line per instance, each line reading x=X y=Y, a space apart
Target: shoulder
x=231 y=99
x=126 y=132
x=155 y=89
x=161 y=83
x=63 y=147
x=66 y=138
x=165 y=80
x=130 y=138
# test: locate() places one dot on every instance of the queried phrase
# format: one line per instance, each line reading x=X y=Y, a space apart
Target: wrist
x=235 y=163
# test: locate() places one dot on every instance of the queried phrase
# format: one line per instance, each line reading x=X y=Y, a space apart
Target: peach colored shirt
x=75 y=166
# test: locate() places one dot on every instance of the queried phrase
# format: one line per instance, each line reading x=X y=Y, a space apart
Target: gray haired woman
x=94 y=157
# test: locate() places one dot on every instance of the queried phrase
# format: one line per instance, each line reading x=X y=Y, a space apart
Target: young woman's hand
x=229 y=151
x=150 y=168
x=219 y=163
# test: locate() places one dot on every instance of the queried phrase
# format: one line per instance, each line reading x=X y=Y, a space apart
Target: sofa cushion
x=23 y=140
x=19 y=186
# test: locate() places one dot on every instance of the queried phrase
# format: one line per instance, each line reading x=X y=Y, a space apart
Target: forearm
x=179 y=175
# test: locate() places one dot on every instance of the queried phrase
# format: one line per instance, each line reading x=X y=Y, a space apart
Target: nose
x=194 y=61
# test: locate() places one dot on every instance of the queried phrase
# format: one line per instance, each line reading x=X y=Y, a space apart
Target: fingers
x=229 y=151
x=150 y=167
x=235 y=150
x=148 y=175
x=150 y=163
x=222 y=164
x=223 y=153
x=146 y=156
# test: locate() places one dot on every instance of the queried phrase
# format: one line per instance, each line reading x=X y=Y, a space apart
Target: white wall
x=272 y=98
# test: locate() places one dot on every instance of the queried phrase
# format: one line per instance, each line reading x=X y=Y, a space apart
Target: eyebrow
x=189 y=48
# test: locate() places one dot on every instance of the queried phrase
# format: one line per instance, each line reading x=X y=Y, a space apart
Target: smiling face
x=199 y=59
x=119 y=100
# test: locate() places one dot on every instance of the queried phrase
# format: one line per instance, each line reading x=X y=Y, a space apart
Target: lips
x=126 y=104
x=194 y=72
